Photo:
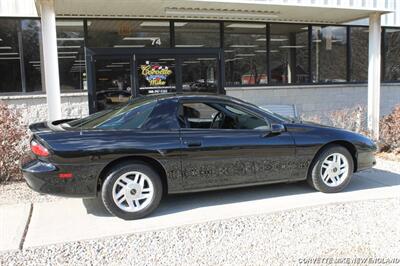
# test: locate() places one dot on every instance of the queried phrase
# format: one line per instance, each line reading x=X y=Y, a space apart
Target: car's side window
x=218 y=116
x=197 y=115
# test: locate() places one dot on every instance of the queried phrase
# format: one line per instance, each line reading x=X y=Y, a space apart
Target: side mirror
x=277 y=129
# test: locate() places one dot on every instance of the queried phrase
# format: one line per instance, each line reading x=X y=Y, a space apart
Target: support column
x=50 y=59
x=374 y=74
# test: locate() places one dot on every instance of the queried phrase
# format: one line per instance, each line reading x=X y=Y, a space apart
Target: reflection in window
x=10 y=80
x=289 y=54
x=128 y=33
x=329 y=54
x=71 y=60
x=392 y=54
x=197 y=34
x=19 y=55
x=199 y=74
x=30 y=41
x=359 y=53
x=113 y=84
x=245 y=54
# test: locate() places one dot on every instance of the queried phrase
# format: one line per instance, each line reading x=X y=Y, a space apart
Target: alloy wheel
x=133 y=191
x=334 y=169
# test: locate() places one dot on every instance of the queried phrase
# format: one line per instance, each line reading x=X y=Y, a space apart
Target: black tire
x=112 y=177
x=314 y=178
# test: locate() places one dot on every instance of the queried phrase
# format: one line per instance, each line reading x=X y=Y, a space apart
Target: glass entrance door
x=116 y=75
x=113 y=83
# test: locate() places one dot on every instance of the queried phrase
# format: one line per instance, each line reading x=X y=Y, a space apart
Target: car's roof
x=193 y=95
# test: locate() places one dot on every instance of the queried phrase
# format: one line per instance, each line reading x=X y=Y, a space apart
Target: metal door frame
x=178 y=53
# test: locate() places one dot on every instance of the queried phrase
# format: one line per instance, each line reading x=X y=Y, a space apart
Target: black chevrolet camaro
x=132 y=155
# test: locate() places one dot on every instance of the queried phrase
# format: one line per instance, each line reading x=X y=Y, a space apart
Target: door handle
x=192 y=143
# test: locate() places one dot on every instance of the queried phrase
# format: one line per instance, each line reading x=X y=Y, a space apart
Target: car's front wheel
x=331 y=170
x=131 y=191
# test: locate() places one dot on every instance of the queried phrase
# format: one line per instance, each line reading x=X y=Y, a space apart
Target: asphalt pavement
x=40 y=224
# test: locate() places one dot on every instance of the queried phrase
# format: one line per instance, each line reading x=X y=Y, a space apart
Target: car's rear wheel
x=131 y=191
x=331 y=170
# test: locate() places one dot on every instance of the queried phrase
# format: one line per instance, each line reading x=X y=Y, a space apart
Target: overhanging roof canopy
x=302 y=11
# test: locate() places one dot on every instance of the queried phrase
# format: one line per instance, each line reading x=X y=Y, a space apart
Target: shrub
x=354 y=119
x=12 y=136
x=390 y=131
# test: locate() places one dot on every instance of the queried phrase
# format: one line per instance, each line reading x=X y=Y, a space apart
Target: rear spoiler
x=48 y=126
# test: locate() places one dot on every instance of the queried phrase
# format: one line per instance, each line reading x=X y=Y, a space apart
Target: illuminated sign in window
x=155 y=74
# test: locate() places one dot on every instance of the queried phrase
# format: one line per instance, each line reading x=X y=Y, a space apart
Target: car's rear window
x=130 y=116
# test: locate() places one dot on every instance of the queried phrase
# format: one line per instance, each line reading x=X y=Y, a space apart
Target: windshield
x=130 y=116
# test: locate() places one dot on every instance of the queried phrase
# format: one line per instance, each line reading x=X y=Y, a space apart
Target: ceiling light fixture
x=69 y=46
x=243 y=46
x=246 y=55
x=278 y=39
x=71 y=23
x=292 y=46
x=5 y=47
x=66 y=57
x=8 y=53
x=70 y=39
x=129 y=46
x=189 y=45
x=161 y=24
x=246 y=26
x=206 y=59
x=73 y=52
x=140 y=38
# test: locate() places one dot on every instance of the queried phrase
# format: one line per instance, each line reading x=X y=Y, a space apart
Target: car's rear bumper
x=365 y=160
x=43 y=177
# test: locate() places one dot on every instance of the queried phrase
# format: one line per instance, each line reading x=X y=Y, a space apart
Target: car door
x=222 y=156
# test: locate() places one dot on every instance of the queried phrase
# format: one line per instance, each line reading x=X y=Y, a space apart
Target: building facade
x=66 y=58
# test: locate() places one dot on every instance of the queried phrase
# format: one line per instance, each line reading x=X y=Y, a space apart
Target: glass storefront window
x=359 y=53
x=245 y=54
x=200 y=74
x=289 y=54
x=10 y=80
x=128 y=33
x=71 y=59
x=392 y=54
x=329 y=59
x=197 y=34
x=31 y=49
x=113 y=83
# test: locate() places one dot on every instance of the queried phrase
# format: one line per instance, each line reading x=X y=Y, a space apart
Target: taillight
x=38 y=149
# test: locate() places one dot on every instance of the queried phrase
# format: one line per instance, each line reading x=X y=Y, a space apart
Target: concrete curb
x=14 y=220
